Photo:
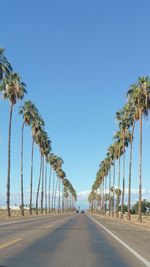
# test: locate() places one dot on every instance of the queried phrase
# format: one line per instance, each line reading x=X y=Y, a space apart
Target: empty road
x=74 y=240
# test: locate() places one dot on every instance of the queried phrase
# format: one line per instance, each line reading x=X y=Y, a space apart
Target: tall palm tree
x=37 y=124
x=45 y=150
x=126 y=119
x=5 y=66
x=91 y=199
x=44 y=145
x=124 y=136
x=29 y=112
x=49 y=184
x=130 y=112
x=112 y=153
x=66 y=193
x=39 y=183
x=139 y=95
x=61 y=174
x=12 y=89
x=56 y=163
x=52 y=161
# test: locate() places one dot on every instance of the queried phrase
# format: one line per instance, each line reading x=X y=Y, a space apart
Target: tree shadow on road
x=41 y=251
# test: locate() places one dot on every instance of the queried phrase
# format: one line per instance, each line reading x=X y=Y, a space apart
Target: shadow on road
x=40 y=252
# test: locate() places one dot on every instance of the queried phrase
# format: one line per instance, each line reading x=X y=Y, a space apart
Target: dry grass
x=15 y=214
x=145 y=220
x=134 y=220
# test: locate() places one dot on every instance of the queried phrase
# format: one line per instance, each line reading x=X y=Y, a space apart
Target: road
x=74 y=240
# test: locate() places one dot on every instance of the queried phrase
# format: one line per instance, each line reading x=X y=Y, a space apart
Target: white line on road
x=142 y=259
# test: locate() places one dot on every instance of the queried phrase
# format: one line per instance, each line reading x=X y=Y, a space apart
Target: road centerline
x=10 y=243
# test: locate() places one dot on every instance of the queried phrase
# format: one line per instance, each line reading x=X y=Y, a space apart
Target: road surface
x=74 y=240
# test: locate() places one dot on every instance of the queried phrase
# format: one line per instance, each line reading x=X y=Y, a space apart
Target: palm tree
x=66 y=193
x=45 y=150
x=5 y=66
x=112 y=153
x=91 y=199
x=39 y=183
x=73 y=198
x=130 y=112
x=49 y=184
x=61 y=174
x=45 y=147
x=56 y=163
x=124 y=136
x=53 y=163
x=139 y=96
x=37 y=124
x=29 y=112
x=12 y=89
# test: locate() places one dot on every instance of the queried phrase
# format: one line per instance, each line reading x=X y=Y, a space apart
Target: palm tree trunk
x=96 y=200
x=114 y=174
x=70 y=202
x=117 y=203
x=31 y=178
x=63 y=204
x=109 y=190
x=103 y=198
x=130 y=173
x=92 y=206
x=9 y=160
x=39 y=182
x=45 y=187
x=55 y=195
x=22 y=197
x=123 y=182
x=100 y=189
x=67 y=204
x=140 y=172
x=53 y=191
x=42 y=189
x=106 y=194
x=49 y=191
x=59 y=195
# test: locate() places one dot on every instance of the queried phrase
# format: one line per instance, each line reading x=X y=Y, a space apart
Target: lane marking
x=49 y=226
x=56 y=224
x=138 y=256
x=10 y=243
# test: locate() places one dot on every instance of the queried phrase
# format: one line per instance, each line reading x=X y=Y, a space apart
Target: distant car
x=82 y=211
x=77 y=211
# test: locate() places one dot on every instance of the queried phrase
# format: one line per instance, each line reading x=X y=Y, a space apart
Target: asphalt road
x=73 y=241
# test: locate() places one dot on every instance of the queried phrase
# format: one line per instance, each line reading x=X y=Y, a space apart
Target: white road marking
x=137 y=255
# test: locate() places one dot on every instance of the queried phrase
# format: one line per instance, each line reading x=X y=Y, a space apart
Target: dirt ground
x=17 y=214
x=145 y=220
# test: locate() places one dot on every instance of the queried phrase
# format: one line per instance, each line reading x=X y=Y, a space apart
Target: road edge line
x=137 y=255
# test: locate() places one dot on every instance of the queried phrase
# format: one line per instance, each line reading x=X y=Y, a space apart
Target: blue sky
x=78 y=59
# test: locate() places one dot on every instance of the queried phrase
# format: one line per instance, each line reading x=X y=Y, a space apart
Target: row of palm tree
x=59 y=189
x=137 y=107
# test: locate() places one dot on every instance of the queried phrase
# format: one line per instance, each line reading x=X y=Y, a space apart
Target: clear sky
x=78 y=59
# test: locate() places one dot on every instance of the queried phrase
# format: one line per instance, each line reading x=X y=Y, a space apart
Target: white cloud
x=82 y=197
